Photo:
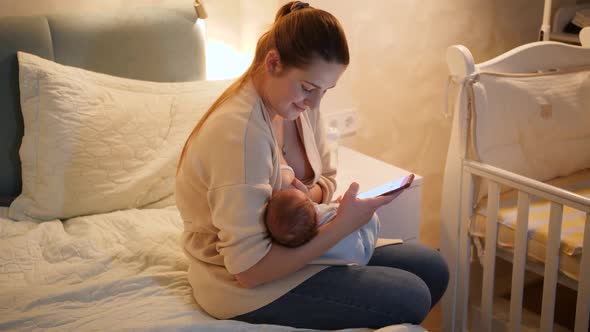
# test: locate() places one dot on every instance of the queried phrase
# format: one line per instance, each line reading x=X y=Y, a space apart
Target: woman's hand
x=357 y=212
x=281 y=261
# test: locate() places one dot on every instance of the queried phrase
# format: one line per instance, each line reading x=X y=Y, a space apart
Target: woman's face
x=290 y=91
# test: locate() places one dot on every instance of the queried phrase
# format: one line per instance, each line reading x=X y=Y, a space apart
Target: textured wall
x=398 y=75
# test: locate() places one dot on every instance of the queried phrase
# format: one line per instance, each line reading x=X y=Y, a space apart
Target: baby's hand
x=300 y=186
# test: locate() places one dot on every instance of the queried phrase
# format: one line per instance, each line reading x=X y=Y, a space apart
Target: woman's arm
x=281 y=261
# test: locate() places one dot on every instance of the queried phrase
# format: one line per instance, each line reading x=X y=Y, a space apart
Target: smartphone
x=388 y=188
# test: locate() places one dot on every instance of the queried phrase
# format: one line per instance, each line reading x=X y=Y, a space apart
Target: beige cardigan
x=230 y=169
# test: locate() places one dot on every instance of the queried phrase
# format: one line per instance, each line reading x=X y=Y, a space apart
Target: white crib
x=473 y=156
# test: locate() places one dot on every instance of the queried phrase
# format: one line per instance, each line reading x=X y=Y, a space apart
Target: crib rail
x=527 y=188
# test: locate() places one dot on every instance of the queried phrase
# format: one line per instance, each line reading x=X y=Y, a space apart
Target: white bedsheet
x=108 y=272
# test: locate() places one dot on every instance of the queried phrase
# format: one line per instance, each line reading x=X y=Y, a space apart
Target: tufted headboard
x=147 y=43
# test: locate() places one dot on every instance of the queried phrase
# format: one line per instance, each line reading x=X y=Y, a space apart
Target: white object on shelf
x=401 y=218
x=563 y=15
x=563 y=37
x=585 y=37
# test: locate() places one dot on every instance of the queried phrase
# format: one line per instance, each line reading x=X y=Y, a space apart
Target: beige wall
x=398 y=75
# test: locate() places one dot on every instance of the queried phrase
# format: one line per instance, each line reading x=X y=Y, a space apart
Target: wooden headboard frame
x=146 y=43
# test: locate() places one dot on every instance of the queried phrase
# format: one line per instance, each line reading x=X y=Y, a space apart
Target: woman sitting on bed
x=229 y=169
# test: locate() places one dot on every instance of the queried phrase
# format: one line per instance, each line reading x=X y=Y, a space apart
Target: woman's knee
x=439 y=275
x=436 y=263
x=425 y=262
x=435 y=272
x=393 y=295
x=415 y=300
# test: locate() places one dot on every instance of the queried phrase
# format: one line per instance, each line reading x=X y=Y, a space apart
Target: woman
x=229 y=168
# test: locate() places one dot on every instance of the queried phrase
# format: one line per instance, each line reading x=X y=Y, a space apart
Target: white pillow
x=536 y=126
x=95 y=143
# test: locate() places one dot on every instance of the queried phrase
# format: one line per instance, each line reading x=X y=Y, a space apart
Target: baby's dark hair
x=289 y=220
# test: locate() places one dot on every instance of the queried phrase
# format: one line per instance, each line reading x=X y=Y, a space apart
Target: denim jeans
x=400 y=284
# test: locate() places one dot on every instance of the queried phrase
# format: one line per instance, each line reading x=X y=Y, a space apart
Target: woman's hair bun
x=290 y=7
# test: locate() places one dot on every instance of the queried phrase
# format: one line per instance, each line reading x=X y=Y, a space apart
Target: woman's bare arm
x=281 y=261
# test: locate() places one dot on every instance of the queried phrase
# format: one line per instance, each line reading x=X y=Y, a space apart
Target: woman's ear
x=272 y=62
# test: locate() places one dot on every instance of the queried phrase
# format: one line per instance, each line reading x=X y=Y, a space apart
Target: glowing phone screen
x=388 y=187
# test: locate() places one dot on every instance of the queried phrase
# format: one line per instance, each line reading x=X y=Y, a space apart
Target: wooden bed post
x=461 y=66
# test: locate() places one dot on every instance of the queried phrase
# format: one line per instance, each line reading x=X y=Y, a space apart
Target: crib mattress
x=572 y=231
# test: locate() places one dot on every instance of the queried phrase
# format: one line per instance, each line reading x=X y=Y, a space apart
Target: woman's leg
x=349 y=297
x=422 y=261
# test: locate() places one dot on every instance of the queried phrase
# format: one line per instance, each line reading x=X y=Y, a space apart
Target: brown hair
x=299 y=34
x=290 y=221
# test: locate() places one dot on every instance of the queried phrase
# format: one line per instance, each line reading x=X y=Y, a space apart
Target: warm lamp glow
x=222 y=60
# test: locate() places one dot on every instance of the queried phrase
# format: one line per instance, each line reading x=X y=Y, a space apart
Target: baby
x=292 y=219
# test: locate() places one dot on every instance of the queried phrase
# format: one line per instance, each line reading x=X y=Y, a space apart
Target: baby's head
x=291 y=218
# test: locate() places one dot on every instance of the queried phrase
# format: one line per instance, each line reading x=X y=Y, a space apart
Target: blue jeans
x=400 y=284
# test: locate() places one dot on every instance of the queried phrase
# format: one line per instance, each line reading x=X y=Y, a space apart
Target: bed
x=517 y=181
x=94 y=110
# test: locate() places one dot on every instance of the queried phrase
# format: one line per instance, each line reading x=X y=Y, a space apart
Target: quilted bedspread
x=117 y=271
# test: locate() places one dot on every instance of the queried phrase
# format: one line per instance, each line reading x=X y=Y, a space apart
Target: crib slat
x=551 y=266
x=487 y=295
x=583 y=300
x=518 y=270
x=464 y=254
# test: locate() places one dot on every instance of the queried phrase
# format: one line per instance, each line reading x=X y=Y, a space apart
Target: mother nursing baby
x=229 y=168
